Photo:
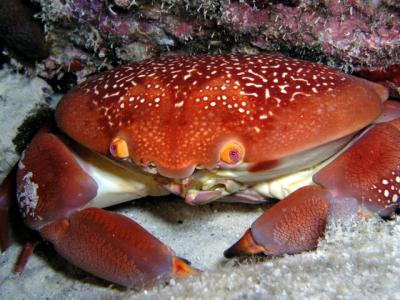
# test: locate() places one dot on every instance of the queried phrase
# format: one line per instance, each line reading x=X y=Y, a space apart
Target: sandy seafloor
x=356 y=260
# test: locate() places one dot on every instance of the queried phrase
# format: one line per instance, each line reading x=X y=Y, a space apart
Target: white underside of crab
x=117 y=184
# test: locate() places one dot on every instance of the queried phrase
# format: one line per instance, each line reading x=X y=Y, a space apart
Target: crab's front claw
x=113 y=247
x=364 y=179
x=60 y=194
x=291 y=226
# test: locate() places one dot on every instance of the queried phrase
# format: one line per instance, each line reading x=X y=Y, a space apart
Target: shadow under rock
x=173 y=210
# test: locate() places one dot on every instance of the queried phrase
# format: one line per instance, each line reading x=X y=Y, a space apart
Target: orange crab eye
x=232 y=153
x=119 y=148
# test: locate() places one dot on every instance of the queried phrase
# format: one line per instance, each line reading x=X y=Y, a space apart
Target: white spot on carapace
x=395 y=197
x=179 y=104
x=299 y=79
x=283 y=88
x=267 y=94
x=248 y=94
x=258 y=75
x=298 y=93
x=253 y=84
x=111 y=95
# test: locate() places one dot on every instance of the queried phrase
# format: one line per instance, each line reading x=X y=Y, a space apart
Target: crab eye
x=232 y=153
x=119 y=148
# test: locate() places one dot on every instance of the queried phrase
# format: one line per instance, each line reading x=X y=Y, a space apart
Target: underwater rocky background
x=85 y=36
x=48 y=46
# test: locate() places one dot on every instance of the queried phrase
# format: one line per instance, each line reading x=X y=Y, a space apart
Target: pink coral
x=350 y=34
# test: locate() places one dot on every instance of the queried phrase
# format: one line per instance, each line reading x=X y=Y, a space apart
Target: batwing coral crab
x=206 y=128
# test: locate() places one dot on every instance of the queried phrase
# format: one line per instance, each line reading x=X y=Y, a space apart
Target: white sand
x=355 y=261
x=20 y=97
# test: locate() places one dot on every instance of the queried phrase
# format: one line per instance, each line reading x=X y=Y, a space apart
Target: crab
x=230 y=128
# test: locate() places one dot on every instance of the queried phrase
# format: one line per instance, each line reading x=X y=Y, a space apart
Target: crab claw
x=369 y=171
x=114 y=247
x=57 y=193
x=50 y=182
x=291 y=226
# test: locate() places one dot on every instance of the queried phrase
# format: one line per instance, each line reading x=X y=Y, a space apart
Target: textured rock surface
x=357 y=260
x=24 y=105
x=89 y=35
x=20 y=33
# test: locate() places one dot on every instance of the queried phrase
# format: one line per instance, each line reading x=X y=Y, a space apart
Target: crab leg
x=293 y=225
x=7 y=195
x=7 y=192
x=369 y=171
x=365 y=178
x=24 y=255
x=57 y=196
x=113 y=247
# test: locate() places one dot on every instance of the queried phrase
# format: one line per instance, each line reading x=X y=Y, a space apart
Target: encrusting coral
x=87 y=36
